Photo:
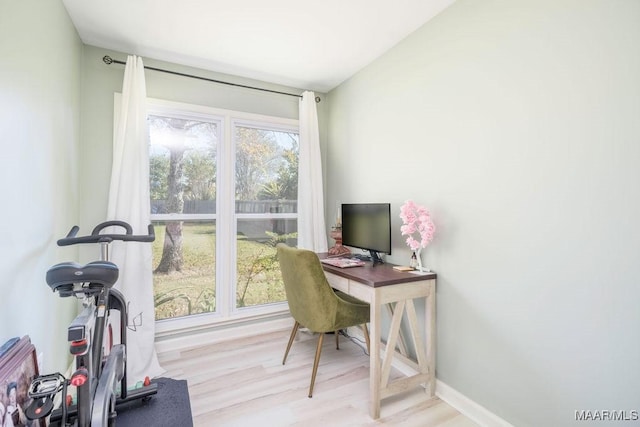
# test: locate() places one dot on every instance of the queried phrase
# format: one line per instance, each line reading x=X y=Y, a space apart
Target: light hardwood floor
x=243 y=383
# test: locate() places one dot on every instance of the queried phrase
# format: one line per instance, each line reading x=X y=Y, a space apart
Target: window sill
x=173 y=334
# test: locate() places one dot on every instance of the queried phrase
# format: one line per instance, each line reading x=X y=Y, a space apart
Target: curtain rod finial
x=107 y=60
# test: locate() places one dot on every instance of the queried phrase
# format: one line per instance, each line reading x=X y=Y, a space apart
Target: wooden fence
x=242 y=206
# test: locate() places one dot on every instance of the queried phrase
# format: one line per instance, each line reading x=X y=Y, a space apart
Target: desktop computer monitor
x=367 y=226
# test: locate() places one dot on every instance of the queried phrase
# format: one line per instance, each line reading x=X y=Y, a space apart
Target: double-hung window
x=223 y=187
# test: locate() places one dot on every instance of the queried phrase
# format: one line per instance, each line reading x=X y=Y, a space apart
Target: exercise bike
x=100 y=375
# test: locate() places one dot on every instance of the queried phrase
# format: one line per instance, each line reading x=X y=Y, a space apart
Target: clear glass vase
x=420 y=268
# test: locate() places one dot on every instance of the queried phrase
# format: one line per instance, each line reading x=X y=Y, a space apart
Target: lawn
x=192 y=290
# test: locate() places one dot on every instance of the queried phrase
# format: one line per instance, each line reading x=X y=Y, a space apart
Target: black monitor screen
x=367 y=226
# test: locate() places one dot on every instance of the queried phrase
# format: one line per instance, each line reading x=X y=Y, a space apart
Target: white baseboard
x=214 y=335
x=469 y=408
x=477 y=413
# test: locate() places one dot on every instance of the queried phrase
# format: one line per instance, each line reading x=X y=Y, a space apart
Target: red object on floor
x=147 y=381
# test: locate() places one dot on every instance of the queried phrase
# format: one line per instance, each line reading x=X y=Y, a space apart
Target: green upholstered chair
x=313 y=303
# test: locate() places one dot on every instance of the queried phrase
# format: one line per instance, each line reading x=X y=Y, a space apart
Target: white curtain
x=129 y=202
x=312 y=234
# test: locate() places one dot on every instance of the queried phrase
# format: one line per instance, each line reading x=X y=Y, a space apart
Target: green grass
x=192 y=290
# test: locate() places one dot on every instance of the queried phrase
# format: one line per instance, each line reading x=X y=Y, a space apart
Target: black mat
x=170 y=407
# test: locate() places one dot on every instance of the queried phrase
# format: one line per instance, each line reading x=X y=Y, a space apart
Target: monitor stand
x=375 y=258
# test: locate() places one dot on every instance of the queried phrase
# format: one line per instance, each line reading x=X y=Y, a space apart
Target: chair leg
x=337 y=343
x=316 y=362
x=366 y=337
x=293 y=335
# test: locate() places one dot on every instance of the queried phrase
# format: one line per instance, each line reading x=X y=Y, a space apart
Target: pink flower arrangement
x=416 y=222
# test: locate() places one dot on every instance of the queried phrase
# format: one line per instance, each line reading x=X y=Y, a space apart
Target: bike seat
x=99 y=274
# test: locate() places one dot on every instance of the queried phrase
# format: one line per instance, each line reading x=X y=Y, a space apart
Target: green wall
x=40 y=56
x=517 y=124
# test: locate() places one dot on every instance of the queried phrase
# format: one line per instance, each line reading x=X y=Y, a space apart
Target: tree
x=285 y=185
x=177 y=136
x=200 y=174
x=172 y=249
x=158 y=171
x=256 y=150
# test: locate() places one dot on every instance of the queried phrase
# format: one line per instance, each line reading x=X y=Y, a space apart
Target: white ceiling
x=307 y=44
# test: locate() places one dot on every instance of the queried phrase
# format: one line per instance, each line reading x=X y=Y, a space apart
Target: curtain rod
x=108 y=60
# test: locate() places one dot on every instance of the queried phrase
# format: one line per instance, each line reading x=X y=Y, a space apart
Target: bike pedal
x=45 y=385
x=39 y=408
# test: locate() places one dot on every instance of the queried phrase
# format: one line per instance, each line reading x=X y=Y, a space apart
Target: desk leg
x=430 y=322
x=374 y=359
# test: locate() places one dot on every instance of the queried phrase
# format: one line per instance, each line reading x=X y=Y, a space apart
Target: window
x=223 y=189
x=266 y=191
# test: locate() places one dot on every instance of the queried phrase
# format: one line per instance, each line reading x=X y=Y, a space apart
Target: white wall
x=39 y=125
x=518 y=124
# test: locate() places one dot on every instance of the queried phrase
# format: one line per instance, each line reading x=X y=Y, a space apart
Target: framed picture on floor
x=18 y=366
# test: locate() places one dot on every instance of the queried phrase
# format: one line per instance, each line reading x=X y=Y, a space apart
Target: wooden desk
x=381 y=285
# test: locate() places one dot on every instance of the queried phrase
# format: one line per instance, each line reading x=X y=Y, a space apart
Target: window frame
x=226 y=241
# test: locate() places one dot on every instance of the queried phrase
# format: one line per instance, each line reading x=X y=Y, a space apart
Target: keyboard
x=343 y=262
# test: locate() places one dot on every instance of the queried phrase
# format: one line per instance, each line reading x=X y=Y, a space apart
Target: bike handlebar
x=96 y=237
